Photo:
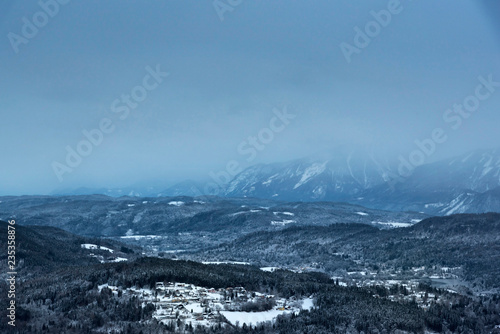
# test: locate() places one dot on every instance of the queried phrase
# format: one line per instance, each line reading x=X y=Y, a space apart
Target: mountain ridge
x=465 y=183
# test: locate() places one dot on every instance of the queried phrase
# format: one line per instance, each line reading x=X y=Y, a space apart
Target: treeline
x=68 y=301
x=467 y=241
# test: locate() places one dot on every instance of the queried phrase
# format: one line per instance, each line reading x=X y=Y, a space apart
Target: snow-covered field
x=137 y=237
x=242 y=212
x=283 y=222
x=101 y=258
x=284 y=213
x=393 y=224
x=92 y=246
x=251 y=318
x=254 y=318
x=225 y=262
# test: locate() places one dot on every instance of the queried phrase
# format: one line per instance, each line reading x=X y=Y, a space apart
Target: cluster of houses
x=194 y=305
x=186 y=302
x=408 y=291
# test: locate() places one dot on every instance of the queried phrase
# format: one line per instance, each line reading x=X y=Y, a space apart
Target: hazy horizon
x=169 y=91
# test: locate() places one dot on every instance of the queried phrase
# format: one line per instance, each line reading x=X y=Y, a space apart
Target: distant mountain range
x=332 y=177
x=100 y=215
x=469 y=183
x=466 y=184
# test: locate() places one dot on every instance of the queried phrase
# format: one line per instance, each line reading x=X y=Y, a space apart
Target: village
x=442 y=286
x=427 y=285
x=181 y=305
x=187 y=305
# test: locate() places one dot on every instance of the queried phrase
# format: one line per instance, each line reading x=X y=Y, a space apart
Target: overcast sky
x=231 y=70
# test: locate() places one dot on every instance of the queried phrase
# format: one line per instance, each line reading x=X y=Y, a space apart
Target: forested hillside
x=68 y=299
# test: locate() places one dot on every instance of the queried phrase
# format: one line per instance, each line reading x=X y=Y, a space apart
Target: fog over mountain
x=468 y=183
x=121 y=93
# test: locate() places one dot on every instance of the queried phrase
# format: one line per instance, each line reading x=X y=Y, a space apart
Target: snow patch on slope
x=310 y=172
